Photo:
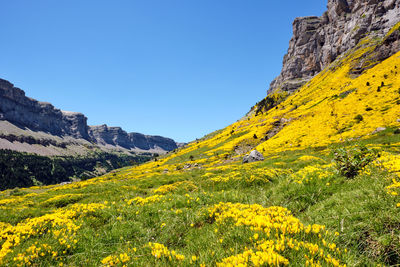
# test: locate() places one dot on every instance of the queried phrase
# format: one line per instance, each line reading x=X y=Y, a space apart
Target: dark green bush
x=350 y=161
x=359 y=118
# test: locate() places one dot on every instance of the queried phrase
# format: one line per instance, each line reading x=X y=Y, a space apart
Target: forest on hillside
x=23 y=169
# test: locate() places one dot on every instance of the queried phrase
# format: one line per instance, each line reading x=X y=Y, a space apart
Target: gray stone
x=253 y=156
x=379 y=129
x=318 y=41
x=181 y=144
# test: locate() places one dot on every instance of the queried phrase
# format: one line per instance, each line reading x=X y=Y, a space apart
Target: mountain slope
x=332 y=107
x=200 y=206
x=318 y=41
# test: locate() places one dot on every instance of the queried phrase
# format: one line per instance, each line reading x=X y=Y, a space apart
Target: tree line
x=18 y=169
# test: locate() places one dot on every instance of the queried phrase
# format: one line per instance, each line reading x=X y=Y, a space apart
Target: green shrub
x=350 y=161
x=359 y=118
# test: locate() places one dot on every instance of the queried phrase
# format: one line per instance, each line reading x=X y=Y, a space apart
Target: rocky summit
x=318 y=41
x=28 y=125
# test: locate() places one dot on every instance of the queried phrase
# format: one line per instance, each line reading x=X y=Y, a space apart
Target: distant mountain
x=28 y=125
x=115 y=136
x=40 y=144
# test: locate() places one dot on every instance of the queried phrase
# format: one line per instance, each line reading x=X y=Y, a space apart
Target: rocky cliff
x=28 y=125
x=115 y=136
x=26 y=112
x=318 y=41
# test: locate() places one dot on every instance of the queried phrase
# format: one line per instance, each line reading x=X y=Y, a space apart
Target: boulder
x=253 y=156
x=379 y=129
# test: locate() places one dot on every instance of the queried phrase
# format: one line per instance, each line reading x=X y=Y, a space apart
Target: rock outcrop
x=26 y=112
x=30 y=116
x=253 y=157
x=152 y=142
x=318 y=41
x=115 y=136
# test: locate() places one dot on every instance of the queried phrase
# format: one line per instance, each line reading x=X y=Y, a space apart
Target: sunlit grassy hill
x=200 y=206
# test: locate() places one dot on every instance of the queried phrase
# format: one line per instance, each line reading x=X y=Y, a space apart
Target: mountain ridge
x=71 y=128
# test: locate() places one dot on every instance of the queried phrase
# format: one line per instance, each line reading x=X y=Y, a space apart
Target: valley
x=310 y=176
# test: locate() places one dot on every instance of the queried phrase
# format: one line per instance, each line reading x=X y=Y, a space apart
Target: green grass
x=359 y=209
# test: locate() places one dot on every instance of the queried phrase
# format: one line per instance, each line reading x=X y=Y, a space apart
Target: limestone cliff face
x=29 y=115
x=105 y=135
x=20 y=110
x=317 y=41
x=154 y=141
x=115 y=136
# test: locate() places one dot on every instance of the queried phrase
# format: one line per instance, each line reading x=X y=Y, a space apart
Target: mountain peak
x=318 y=41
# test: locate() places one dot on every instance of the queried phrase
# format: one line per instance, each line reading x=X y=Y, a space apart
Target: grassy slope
x=291 y=208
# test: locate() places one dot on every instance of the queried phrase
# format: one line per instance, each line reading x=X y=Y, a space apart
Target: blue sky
x=176 y=68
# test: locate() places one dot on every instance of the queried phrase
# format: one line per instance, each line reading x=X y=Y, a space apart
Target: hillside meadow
x=200 y=206
x=293 y=207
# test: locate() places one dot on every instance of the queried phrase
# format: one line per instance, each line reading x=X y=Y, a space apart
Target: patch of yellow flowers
x=310 y=172
x=16 y=200
x=143 y=201
x=246 y=174
x=164 y=189
x=61 y=225
x=113 y=260
x=281 y=232
x=160 y=251
x=391 y=162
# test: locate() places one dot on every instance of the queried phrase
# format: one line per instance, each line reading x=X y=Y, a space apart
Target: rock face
x=115 y=136
x=253 y=156
x=153 y=141
x=317 y=41
x=30 y=114
x=20 y=110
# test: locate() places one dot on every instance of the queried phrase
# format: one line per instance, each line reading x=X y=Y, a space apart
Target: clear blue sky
x=176 y=68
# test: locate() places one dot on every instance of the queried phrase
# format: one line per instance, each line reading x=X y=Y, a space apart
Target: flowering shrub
x=276 y=232
x=310 y=172
x=350 y=161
